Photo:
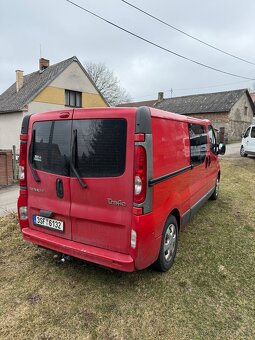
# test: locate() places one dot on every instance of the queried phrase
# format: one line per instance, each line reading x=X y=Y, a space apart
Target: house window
x=72 y=98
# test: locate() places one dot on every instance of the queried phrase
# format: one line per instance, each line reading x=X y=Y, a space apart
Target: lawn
x=208 y=294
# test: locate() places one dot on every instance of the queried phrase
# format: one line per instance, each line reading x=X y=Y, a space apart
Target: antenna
x=40 y=50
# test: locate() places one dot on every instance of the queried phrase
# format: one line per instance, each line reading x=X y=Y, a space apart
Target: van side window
x=101 y=147
x=253 y=132
x=51 y=149
x=212 y=139
x=198 y=143
x=247 y=133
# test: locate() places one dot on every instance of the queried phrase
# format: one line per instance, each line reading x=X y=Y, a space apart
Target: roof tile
x=202 y=103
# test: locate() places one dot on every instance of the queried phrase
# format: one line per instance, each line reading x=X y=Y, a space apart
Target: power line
x=156 y=45
x=188 y=35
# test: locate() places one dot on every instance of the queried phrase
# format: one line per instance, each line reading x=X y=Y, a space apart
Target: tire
x=242 y=152
x=215 y=194
x=169 y=244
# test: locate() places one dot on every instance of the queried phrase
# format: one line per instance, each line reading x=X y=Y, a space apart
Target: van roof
x=132 y=110
x=175 y=116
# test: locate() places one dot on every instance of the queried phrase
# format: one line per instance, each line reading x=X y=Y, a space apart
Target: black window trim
x=214 y=149
x=204 y=126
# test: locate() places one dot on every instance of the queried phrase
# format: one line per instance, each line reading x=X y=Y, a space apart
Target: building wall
x=240 y=117
x=10 y=124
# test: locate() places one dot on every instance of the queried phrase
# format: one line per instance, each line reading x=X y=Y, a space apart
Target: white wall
x=36 y=107
x=73 y=78
x=10 y=127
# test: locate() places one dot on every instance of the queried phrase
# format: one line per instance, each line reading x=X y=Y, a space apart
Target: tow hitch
x=61 y=258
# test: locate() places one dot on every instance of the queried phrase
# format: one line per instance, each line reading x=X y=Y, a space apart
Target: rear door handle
x=59 y=188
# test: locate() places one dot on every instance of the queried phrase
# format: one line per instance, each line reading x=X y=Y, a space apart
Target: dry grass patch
x=208 y=294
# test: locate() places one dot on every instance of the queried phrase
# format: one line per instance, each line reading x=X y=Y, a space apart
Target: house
x=62 y=85
x=230 y=112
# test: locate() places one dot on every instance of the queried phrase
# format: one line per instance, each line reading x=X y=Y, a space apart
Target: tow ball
x=61 y=258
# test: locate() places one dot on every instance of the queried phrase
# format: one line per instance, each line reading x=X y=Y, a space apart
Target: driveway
x=8 y=199
x=232 y=150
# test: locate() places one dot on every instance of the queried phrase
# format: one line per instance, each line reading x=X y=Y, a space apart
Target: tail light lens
x=22 y=163
x=23 y=213
x=140 y=174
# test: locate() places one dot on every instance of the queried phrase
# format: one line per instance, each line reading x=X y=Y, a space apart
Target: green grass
x=208 y=294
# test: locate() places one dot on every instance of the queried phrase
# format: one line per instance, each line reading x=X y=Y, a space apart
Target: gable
x=75 y=79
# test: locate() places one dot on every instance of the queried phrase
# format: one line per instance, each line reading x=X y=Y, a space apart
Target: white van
x=248 y=142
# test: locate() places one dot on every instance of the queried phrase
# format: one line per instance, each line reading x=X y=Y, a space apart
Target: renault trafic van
x=114 y=186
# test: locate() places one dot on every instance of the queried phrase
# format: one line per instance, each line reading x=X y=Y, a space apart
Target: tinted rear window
x=51 y=147
x=101 y=147
x=98 y=151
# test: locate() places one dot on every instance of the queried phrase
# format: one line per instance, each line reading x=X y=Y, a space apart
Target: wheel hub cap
x=169 y=242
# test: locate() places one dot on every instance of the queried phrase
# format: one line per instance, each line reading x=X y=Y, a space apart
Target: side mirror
x=242 y=135
x=221 y=149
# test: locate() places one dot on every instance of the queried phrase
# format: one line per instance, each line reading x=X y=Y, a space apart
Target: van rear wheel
x=169 y=243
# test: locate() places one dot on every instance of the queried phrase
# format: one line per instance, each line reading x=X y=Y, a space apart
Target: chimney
x=19 y=80
x=43 y=64
x=160 y=96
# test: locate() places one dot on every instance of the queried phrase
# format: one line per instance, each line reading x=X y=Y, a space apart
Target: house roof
x=204 y=103
x=149 y=103
x=13 y=101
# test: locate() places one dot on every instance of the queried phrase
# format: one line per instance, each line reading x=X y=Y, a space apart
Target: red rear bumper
x=85 y=252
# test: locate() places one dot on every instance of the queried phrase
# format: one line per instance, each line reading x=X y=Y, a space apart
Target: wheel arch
x=175 y=212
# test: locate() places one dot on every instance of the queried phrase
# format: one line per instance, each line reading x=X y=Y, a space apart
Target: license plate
x=48 y=223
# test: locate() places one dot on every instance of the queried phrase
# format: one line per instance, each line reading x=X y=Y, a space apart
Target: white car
x=248 y=142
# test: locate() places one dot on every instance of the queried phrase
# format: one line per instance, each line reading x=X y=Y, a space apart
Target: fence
x=8 y=166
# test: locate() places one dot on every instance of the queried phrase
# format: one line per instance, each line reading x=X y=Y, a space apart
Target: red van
x=114 y=186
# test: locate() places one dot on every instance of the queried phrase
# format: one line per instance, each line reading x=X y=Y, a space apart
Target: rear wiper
x=30 y=158
x=73 y=159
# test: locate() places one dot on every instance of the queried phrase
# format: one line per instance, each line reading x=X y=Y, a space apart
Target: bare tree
x=107 y=83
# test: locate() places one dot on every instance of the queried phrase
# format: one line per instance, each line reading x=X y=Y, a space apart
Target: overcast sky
x=63 y=31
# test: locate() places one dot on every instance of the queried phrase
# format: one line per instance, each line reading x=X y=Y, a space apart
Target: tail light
x=140 y=174
x=23 y=213
x=22 y=163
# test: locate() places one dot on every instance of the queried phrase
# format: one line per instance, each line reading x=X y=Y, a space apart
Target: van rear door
x=48 y=173
x=102 y=178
